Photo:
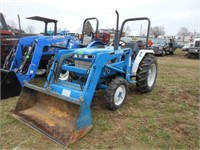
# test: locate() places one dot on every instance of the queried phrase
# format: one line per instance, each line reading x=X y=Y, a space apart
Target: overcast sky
x=172 y=14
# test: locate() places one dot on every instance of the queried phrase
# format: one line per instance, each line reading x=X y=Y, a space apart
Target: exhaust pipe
x=116 y=40
x=20 y=29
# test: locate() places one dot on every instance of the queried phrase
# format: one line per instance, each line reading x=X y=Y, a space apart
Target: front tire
x=146 y=74
x=171 y=52
x=189 y=55
x=116 y=93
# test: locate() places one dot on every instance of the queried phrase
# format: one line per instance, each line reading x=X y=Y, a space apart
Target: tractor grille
x=82 y=64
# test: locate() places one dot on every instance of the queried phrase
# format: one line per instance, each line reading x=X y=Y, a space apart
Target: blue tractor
x=30 y=59
x=61 y=110
x=34 y=55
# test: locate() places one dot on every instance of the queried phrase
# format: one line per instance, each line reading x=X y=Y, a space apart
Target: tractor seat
x=134 y=46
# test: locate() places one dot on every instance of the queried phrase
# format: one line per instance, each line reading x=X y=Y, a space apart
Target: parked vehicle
x=61 y=110
x=187 y=46
x=194 y=51
x=179 y=44
x=159 y=46
x=7 y=37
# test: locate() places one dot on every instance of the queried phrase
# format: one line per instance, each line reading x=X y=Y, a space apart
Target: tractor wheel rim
x=151 y=75
x=120 y=94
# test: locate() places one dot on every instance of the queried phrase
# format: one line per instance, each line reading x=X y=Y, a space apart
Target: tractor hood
x=93 y=51
x=54 y=40
x=45 y=40
x=29 y=38
x=51 y=38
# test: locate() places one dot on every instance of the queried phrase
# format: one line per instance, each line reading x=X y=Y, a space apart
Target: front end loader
x=34 y=55
x=61 y=109
x=28 y=58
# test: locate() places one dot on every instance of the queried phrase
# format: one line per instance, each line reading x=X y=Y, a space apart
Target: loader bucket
x=10 y=85
x=54 y=117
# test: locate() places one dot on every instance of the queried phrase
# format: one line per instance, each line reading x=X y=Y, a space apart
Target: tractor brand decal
x=61 y=43
x=66 y=92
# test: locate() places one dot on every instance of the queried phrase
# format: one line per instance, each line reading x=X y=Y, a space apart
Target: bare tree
x=12 y=24
x=183 y=32
x=30 y=29
x=157 y=30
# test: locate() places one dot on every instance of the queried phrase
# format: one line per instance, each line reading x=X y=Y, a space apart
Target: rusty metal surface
x=52 y=116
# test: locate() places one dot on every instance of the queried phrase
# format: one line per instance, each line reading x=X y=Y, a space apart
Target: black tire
x=114 y=90
x=146 y=79
x=189 y=55
x=171 y=53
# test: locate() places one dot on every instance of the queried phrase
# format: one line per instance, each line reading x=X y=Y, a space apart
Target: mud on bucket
x=61 y=121
x=10 y=85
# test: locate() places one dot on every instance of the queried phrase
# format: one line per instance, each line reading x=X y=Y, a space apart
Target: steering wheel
x=121 y=43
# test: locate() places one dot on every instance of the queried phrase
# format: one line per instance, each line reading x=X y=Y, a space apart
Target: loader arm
x=61 y=110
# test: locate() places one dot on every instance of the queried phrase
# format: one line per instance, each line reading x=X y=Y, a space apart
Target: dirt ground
x=165 y=118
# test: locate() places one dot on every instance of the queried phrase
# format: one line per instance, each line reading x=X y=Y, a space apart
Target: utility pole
x=140 y=29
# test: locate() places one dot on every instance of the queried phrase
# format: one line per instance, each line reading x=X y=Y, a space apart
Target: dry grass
x=166 y=118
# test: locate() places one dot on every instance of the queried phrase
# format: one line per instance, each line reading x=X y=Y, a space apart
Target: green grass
x=165 y=118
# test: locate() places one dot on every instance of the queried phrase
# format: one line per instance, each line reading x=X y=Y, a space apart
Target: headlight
x=85 y=56
x=75 y=55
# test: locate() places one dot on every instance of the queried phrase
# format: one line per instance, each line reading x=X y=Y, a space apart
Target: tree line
x=183 y=32
x=155 y=31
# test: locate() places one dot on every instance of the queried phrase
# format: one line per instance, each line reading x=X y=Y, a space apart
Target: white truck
x=195 y=49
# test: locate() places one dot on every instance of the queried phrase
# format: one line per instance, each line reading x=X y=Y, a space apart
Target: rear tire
x=116 y=93
x=146 y=74
x=189 y=55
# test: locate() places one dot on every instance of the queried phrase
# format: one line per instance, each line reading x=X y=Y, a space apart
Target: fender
x=138 y=59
